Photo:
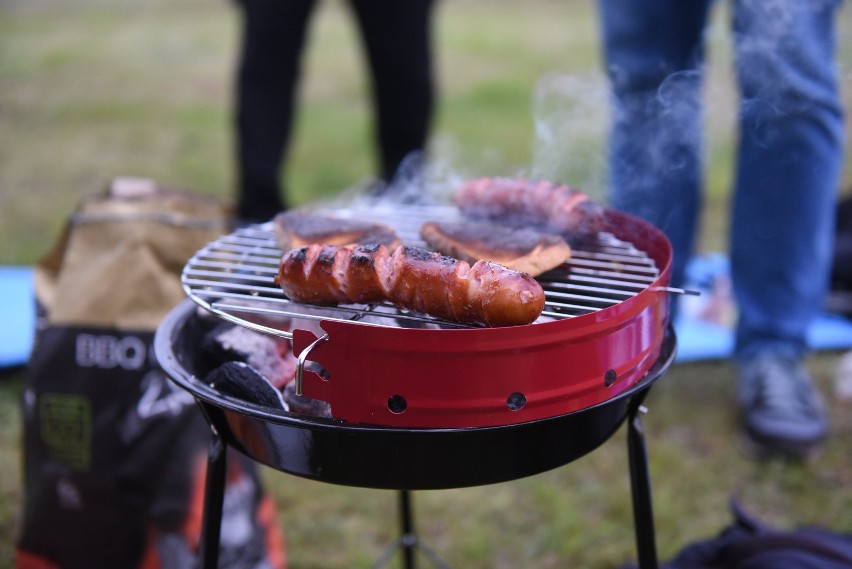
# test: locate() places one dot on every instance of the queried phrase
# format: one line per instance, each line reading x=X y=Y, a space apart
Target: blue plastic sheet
x=17 y=315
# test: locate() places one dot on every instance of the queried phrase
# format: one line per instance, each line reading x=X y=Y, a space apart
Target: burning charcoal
x=305 y=405
x=269 y=356
x=239 y=380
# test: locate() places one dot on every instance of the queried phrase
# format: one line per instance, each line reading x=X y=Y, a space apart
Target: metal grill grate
x=232 y=276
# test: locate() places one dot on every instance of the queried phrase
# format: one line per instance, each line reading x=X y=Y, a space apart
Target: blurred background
x=92 y=90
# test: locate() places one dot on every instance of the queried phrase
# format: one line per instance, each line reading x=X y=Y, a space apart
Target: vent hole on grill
x=516 y=401
x=610 y=377
x=397 y=404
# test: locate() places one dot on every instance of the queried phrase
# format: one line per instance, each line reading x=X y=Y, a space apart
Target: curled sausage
x=544 y=205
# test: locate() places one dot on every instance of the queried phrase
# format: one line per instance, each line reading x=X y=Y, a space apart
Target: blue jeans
x=789 y=157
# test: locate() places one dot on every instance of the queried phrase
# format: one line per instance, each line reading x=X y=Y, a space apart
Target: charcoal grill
x=419 y=403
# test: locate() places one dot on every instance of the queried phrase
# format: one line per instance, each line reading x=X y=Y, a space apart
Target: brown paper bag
x=118 y=261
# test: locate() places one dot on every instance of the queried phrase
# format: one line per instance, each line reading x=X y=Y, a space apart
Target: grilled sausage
x=413 y=279
x=544 y=205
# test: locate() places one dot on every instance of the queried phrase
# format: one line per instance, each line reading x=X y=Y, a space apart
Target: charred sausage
x=411 y=278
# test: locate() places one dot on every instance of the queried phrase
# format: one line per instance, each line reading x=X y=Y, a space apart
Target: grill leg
x=408 y=539
x=214 y=495
x=640 y=485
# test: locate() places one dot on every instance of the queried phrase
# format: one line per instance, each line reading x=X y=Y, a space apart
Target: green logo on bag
x=66 y=428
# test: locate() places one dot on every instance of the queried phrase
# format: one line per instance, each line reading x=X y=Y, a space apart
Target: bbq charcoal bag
x=115 y=454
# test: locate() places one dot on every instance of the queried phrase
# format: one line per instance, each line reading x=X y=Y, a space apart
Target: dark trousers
x=396 y=35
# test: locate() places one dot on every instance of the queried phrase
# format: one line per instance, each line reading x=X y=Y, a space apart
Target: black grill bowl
x=388 y=457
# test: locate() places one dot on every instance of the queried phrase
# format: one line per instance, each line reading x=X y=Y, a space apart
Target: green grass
x=10 y=460
x=101 y=89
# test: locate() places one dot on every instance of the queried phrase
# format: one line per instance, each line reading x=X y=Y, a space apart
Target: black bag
x=749 y=544
x=114 y=453
x=840 y=295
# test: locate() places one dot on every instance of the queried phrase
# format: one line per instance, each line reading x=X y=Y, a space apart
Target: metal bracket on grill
x=303 y=356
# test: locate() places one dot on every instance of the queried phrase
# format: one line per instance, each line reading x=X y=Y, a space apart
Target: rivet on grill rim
x=516 y=401
x=609 y=377
x=397 y=404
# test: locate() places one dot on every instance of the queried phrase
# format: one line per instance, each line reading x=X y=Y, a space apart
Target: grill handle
x=303 y=356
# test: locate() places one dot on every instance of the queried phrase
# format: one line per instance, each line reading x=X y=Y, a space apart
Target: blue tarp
x=700 y=337
x=705 y=323
x=17 y=315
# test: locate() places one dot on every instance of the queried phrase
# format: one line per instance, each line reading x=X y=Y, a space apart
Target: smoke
x=423 y=179
x=570 y=117
x=571 y=114
x=689 y=120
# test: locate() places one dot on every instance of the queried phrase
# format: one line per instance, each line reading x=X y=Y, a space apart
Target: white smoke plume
x=571 y=115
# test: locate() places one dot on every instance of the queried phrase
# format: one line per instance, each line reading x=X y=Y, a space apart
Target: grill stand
x=408 y=542
x=324 y=450
x=640 y=486
x=214 y=496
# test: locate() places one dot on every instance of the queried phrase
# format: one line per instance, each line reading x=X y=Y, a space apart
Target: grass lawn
x=99 y=89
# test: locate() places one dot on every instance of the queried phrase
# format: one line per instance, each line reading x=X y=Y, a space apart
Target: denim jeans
x=789 y=152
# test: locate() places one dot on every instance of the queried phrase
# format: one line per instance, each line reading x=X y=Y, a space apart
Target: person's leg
x=653 y=55
x=273 y=36
x=791 y=138
x=397 y=38
x=791 y=130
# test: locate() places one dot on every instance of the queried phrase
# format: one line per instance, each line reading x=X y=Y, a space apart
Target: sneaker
x=781 y=411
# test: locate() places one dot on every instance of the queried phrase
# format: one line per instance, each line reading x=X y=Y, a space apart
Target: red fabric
x=26 y=560
x=276 y=546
